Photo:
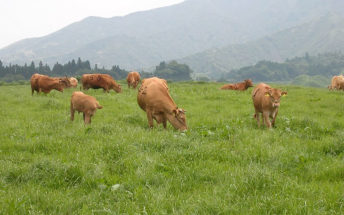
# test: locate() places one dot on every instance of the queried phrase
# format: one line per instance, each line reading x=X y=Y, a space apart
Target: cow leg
x=164 y=121
x=266 y=119
x=72 y=111
x=274 y=115
x=83 y=116
x=150 y=118
x=87 y=119
x=257 y=115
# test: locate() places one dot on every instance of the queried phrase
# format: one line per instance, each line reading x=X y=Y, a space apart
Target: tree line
x=324 y=65
x=171 y=71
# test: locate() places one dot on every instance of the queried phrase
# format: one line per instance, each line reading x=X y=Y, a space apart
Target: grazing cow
x=266 y=100
x=97 y=81
x=337 y=83
x=44 y=83
x=34 y=83
x=86 y=104
x=238 y=86
x=73 y=82
x=133 y=79
x=153 y=97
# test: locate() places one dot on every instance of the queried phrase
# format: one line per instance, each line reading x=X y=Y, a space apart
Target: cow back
x=154 y=92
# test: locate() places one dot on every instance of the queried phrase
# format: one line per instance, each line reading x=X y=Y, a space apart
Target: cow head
x=275 y=96
x=178 y=119
x=65 y=82
x=116 y=87
x=61 y=84
x=248 y=83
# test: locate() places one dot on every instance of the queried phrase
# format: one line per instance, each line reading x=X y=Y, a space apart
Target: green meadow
x=223 y=164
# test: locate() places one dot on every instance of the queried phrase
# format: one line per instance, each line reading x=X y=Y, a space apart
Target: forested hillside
x=168 y=70
x=72 y=68
x=308 y=70
x=325 y=34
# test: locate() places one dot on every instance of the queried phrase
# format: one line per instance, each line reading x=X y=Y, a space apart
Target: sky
x=21 y=19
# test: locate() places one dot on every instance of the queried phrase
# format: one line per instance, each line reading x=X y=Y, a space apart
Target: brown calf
x=337 y=83
x=73 y=82
x=153 y=97
x=97 y=81
x=86 y=104
x=238 y=86
x=133 y=79
x=44 y=83
x=266 y=100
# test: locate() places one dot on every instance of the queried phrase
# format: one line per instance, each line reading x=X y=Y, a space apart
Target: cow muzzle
x=183 y=128
x=275 y=105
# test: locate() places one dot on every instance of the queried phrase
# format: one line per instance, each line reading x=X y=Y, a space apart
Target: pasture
x=223 y=164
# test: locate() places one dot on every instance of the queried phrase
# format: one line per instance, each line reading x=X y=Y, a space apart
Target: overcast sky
x=21 y=19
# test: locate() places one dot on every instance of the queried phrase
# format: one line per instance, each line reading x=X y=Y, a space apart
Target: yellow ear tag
x=284 y=95
x=267 y=95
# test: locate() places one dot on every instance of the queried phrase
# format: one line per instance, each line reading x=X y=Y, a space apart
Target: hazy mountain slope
x=325 y=34
x=143 y=39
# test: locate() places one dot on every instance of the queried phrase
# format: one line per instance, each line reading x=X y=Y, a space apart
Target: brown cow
x=337 y=83
x=153 y=97
x=97 y=81
x=73 y=82
x=133 y=79
x=238 y=86
x=45 y=83
x=86 y=104
x=34 y=83
x=266 y=100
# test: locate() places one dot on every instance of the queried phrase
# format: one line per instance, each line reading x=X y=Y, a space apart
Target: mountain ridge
x=143 y=39
x=324 y=34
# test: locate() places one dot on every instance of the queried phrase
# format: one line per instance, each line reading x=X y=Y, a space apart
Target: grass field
x=223 y=164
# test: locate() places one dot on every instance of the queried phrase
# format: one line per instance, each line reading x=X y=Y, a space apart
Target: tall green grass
x=223 y=164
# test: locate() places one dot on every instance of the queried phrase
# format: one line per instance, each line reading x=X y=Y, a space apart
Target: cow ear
x=269 y=92
x=284 y=93
x=182 y=110
x=176 y=111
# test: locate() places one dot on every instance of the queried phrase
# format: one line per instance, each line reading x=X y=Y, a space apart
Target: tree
x=40 y=68
x=58 y=69
x=173 y=71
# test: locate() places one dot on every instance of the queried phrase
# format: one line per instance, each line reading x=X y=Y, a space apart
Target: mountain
x=324 y=34
x=143 y=39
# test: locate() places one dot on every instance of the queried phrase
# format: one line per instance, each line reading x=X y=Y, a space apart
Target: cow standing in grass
x=242 y=86
x=153 y=97
x=133 y=79
x=97 y=81
x=44 y=83
x=86 y=104
x=337 y=83
x=266 y=100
